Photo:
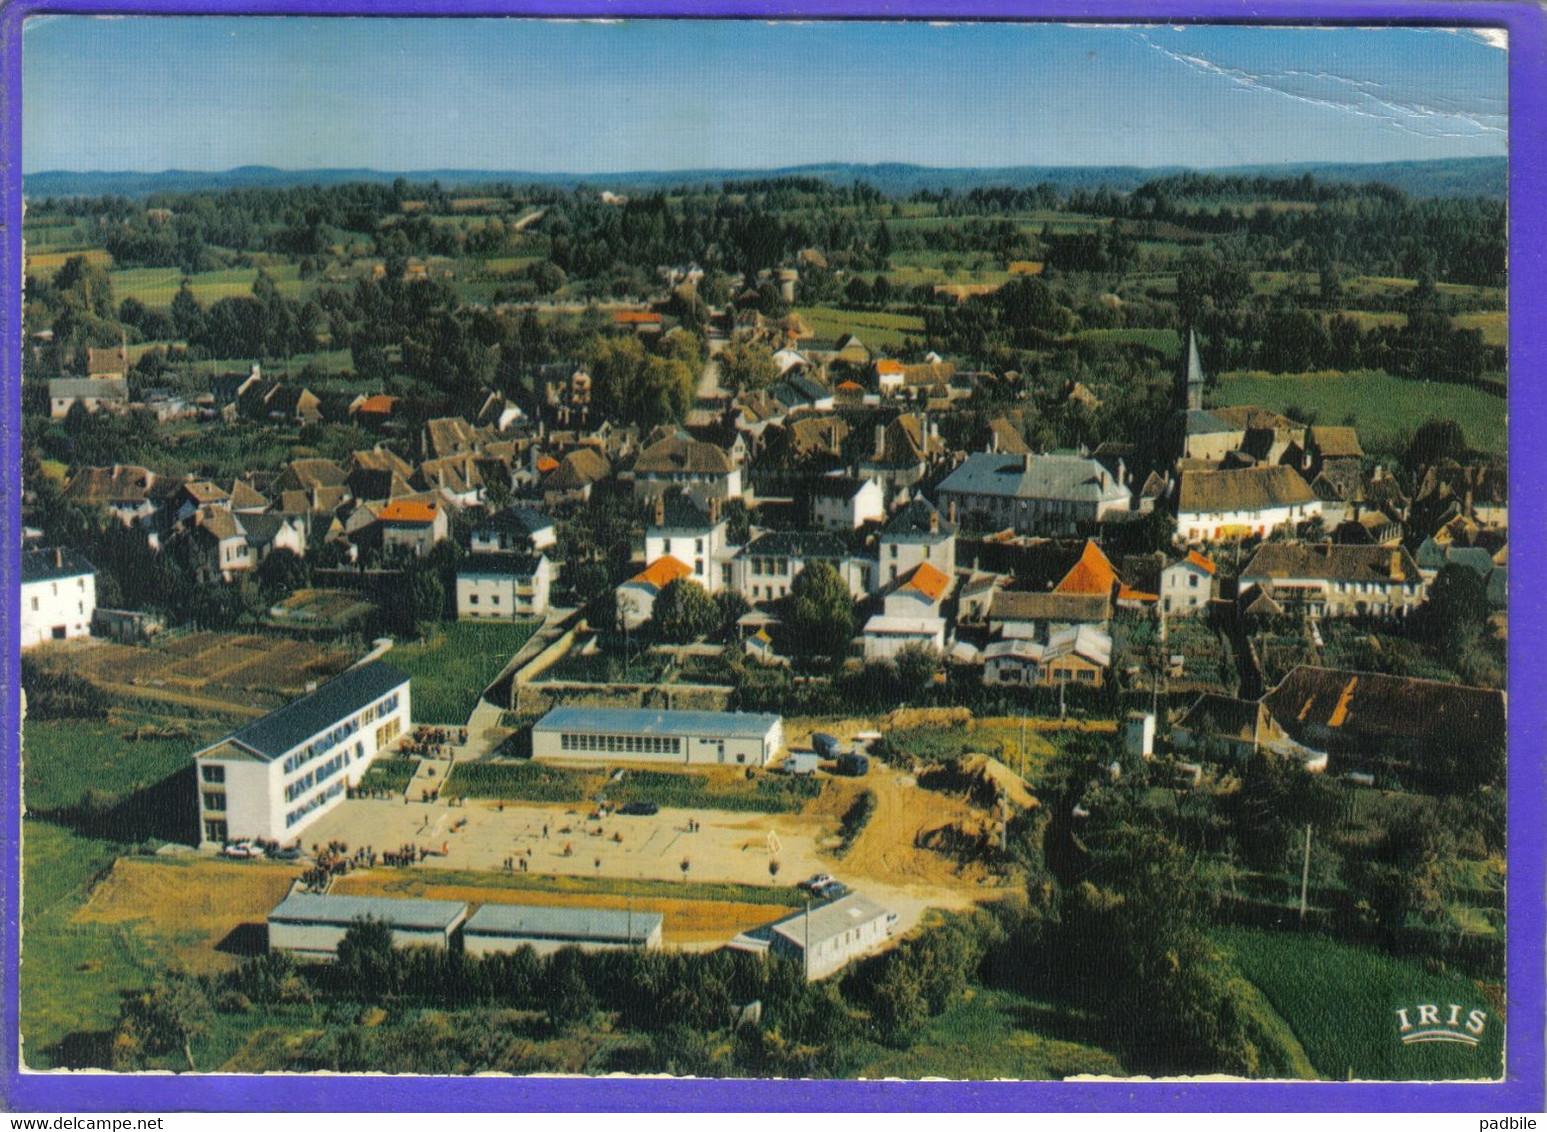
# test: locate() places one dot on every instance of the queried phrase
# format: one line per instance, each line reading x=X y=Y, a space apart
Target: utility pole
x=806 y=951
x=1305 y=874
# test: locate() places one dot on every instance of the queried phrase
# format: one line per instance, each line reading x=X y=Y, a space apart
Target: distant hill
x=1477 y=176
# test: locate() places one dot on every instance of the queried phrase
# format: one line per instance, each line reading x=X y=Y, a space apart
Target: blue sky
x=152 y=93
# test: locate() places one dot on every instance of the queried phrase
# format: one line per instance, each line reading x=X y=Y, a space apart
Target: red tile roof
x=404 y=511
x=1092 y=574
x=662 y=572
x=928 y=580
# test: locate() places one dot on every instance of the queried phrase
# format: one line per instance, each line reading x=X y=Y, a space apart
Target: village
x=721 y=633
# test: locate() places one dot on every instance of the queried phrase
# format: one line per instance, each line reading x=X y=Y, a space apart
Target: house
x=455 y=478
x=918 y=593
x=277 y=775
x=1074 y=654
x=1043 y=495
x=1035 y=616
x=1187 y=586
x=378 y=473
x=92 y=394
x=1091 y=576
x=630 y=735
x=636 y=597
x=110 y=363
x=411 y=527
x=901 y=453
x=515 y=530
x=545 y=928
x=576 y=475
x=680 y=529
x=766 y=568
x=124 y=491
x=312 y=925
x=58 y=595
x=1423 y=730
x=1224 y=729
x=447 y=436
x=845 y=503
x=917 y=533
x=126 y=626
x=678 y=461
x=217 y=546
x=824 y=938
x=1217 y=505
x=886 y=634
x=294 y=404
x=1329 y=580
x=503 y=586
x=1433 y=556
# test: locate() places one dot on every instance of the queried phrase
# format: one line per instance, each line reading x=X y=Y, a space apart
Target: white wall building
x=277 y=775
x=844 y=503
x=1187 y=586
x=1052 y=494
x=1242 y=501
x=58 y=596
x=502 y=587
x=619 y=735
x=886 y=635
x=696 y=537
x=825 y=938
x=311 y=925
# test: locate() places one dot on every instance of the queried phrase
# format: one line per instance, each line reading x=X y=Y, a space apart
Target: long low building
x=277 y=775
x=312 y=925
x=700 y=738
x=824 y=938
x=546 y=928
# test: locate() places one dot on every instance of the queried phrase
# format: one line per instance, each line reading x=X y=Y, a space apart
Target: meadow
x=157 y=286
x=451 y=668
x=1341 y=1001
x=1385 y=409
x=882 y=330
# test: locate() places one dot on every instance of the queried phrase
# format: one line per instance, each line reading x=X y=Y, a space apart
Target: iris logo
x=1440 y=1024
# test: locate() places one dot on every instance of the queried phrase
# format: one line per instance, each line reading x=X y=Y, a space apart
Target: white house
x=918 y=533
x=1074 y=655
x=636 y=597
x=695 y=536
x=641 y=735
x=92 y=394
x=844 y=503
x=515 y=530
x=886 y=635
x=503 y=586
x=825 y=938
x=680 y=461
x=1044 y=495
x=1242 y=501
x=312 y=925
x=277 y=775
x=1187 y=586
x=766 y=568
x=917 y=593
x=58 y=595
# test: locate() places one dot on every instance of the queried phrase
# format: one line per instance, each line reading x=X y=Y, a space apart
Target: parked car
x=639 y=809
x=832 y=890
x=811 y=884
x=292 y=853
x=827 y=746
x=242 y=849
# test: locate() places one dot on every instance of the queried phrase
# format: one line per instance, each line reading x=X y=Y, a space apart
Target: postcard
x=756 y=561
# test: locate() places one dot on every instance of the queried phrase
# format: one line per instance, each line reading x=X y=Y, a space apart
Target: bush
x=855 y=819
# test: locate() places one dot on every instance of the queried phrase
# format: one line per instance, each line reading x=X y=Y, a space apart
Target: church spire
x=1193 y=378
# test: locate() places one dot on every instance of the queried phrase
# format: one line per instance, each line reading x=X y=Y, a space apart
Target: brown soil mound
x=964 y=840
x=980 y=779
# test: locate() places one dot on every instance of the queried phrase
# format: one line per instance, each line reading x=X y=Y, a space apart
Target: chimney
x=1026 y=463
x=1122 y=473
x=58 y=558
x=714 y=512
x=880 y=441
x=950 y=511
x=1396 y=573
x=934 y=521
x=660 y=510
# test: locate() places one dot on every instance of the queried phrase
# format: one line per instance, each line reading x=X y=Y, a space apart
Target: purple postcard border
x=1522 y=1090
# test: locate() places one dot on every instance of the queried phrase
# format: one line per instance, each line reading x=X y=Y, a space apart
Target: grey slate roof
x=642 y=721
x=501 y=565
x=286 y=727
x=419 y=915
x=798 y=544
x=828 y=920
x=1332 y=562
x=914 y=522
x=1058 y=476
x=48 y=563
x=531 y=921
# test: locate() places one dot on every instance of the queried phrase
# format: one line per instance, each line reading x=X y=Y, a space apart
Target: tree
x=898 y=1007
x=684 y=611
x=1436 y=440
x=282 y=573
x=1456 y=611
x=169 y=1016
x=563 y=990
x=747 y=365
x=916 y=668
x=821 y=610
x=732 y=608
x=366 y=963
x=423 y=598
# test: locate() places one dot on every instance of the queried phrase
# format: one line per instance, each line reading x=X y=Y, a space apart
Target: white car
x=821 y=880
x=242 y=849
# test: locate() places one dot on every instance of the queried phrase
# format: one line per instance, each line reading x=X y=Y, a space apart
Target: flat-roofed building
x=311 y=925
x=274 y=777
x=595 y=734
x=546 y=928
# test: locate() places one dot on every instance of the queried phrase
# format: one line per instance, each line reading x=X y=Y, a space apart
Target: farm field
x=239 y=673
x=1384 y=408
x=883 y=330
x=326 y=610
x=1341 y=1002
x=998 y=1035
x=451 y=668
x=157 y=286
x=44 y=263
x=1165 y=341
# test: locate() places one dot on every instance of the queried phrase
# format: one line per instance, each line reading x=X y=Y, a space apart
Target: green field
x=64 y=758
x=393 y=772
x=156 y=286
x=995 y=1035
x=1341 y=1002
x=1382 y=407
x=1493 y=324
x=455 y=664
x=540 y=782
x=882 y=330
x=1164 y=340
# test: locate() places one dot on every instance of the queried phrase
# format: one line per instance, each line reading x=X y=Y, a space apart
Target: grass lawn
x=991 y=1035
x=540 y=782
x=881 y=330
x=1341 y=1002
x=1493 y=324
x=63 y=758
x=1382 y=407
x=452 y=667
x=1162 y=339
x=392 y=772
x=156 y=286
x=999 y=737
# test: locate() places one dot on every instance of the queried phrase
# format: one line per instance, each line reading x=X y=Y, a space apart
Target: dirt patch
x=889 y=852
x=208 y=915
x=683 y=921
x=980 y=779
